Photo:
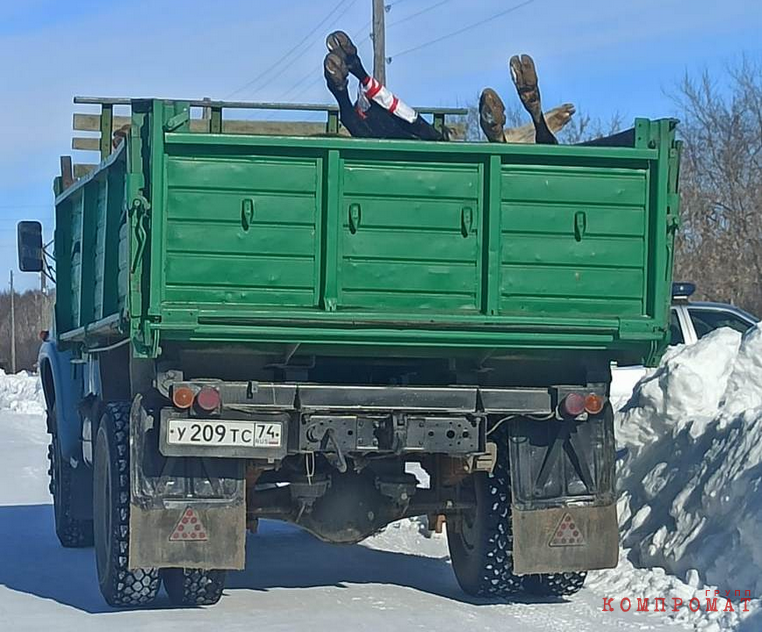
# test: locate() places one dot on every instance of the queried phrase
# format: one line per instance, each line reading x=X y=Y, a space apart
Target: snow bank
x=692 y=478
x=21 y=393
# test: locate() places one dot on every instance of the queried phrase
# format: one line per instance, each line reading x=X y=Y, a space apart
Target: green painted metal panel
x=229 y=172
x=348 y=244
x=410 y=236
x=74 y=253
x=573 y=240
x=98 y=252
x=576 y=185
x=555 y=219
x=62 y=248
x=241 y=231
x=114 y=218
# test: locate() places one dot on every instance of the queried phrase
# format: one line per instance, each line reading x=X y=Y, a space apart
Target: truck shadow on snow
x=280 y=556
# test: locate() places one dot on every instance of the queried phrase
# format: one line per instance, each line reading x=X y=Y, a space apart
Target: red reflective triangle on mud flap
x=189 y=528
x=567 y=533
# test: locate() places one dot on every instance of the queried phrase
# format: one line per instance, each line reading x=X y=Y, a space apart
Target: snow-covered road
x=400 y=580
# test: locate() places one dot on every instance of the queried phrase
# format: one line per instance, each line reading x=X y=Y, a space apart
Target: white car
x=689 y=322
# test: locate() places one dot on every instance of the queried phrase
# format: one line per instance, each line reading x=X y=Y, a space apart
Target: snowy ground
x=402 y=579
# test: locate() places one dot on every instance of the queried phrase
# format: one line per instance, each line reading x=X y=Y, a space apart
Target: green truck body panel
x=370 y=244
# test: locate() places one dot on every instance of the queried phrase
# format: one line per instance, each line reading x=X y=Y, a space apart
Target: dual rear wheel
x=481 y=543
x=72 y=532
x=120 y=585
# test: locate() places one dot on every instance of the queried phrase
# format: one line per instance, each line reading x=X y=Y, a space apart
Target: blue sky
x=605 y=56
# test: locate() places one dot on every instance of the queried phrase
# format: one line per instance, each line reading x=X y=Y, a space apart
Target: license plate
x=232 y=434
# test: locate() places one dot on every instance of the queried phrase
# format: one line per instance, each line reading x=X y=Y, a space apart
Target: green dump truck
x=295 y=327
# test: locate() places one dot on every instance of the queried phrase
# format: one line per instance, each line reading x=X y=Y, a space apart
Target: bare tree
x=581 y=127
x=34 y=312
x=584 y=127
x=720 y=244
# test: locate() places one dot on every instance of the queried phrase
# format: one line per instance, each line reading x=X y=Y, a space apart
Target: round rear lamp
x=573 y=405
x=182 y=397
x=594 y=404
x=208 y=399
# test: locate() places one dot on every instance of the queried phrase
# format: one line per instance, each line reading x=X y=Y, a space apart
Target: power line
x=316 y=78
x=461 y=31
x=290 y=52
x=16 y=220
x=307 y=88
x=417 y=13
x=26 y=205
x=296 y=89
x=338 y=17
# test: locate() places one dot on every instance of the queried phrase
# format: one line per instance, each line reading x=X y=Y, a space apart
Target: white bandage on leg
x=362 y=105
x=375 y=90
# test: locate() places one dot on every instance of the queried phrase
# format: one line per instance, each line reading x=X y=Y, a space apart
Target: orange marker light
x=593 y=404
x=182 y=397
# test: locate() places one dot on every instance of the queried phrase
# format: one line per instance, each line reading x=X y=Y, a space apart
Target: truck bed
x=371 y=243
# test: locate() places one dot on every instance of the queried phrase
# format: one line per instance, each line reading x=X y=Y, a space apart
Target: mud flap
x=154 y=541
x=565 y=539
x=185 y=512
x=562 y=491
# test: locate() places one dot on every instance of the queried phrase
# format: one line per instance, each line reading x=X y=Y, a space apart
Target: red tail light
x=208 y=399
x=573 y=405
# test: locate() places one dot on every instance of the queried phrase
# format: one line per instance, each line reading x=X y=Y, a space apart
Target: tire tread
x=193 y=586
x=125 y=587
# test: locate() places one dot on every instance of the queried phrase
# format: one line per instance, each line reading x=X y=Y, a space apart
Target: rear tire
x=193 y=586
x=119 y=585
x=481 y=542
x=71 y=532
x=555 y=584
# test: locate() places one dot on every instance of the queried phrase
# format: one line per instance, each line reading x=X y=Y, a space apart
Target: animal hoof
x=524 y=75
x=336 y=72
x=492 y=115
x=339 y=42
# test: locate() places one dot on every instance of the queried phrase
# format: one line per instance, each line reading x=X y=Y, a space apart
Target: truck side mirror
x=30 y=246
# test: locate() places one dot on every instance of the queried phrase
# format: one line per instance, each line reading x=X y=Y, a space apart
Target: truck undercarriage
x=340 y=461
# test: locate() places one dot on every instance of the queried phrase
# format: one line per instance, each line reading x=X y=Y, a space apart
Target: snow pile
x=411 y=536
x=21 y=393
x=685 y=391
x=692 y=477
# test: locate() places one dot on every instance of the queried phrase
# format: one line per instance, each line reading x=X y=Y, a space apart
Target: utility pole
x=379 y=40
x=13 y=328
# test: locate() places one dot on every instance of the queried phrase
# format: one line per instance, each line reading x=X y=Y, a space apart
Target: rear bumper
x=358 y=419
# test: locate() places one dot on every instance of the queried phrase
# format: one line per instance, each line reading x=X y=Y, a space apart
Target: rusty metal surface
x=538 y=548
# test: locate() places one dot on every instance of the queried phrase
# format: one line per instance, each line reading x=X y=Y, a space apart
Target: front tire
x=119 y=585
x=71 y=532
x=481 y=541
x=193 y=586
